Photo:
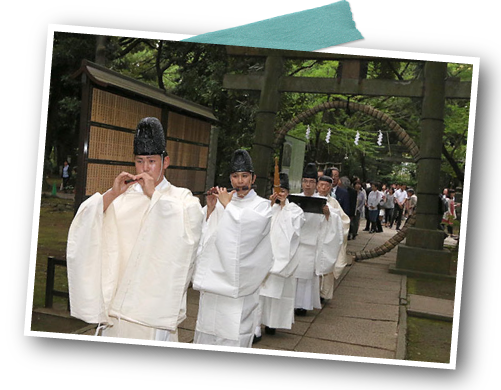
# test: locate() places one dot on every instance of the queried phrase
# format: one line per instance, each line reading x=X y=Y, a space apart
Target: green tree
x=64 y=97
x=196 y=71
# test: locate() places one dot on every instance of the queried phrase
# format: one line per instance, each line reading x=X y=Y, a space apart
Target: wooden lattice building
x=112 y=106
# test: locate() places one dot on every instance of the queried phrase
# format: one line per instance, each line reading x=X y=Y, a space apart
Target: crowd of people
x=258 y=263
x=388 y=205
x=381 y=205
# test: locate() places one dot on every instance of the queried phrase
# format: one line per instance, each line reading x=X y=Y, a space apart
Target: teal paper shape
x=308 y=30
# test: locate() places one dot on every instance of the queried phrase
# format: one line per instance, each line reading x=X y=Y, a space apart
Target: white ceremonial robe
x=233 y=259
x=328 y=280
x=319 y=246
x=129 y=267
x=278 y=292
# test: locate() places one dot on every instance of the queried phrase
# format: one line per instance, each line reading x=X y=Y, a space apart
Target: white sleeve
x=84 y=262
x=285 y=232
x=236 y=254
x=330 y=243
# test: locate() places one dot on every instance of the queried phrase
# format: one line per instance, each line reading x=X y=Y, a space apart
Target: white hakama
x=307 y=293
x=226 y=321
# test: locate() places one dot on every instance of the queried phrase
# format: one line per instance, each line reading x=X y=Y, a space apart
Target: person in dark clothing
x=352 y=195
x=338 y=192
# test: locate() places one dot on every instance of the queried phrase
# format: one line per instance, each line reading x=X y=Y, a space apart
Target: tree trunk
x=101 y=50
x=457 y=170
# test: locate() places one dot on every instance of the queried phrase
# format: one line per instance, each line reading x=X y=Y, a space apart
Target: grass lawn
x=55 y=218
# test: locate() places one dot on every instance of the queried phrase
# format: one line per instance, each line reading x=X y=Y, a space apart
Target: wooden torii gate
x=424 y=249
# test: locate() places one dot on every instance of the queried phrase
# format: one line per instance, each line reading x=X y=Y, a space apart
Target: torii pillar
x=269 y=104
x=423 y=253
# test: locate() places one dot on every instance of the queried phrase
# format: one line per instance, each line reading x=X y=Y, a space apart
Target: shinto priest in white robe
x=279 y=289
x=129 y=267
x=233 y=259
x=328 y=280
x=319 y=245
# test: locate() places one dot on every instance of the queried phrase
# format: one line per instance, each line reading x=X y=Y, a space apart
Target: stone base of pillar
x=420 y=262
x=425 y=238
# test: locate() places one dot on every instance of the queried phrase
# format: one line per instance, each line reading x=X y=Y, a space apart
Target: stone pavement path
x=362 y=319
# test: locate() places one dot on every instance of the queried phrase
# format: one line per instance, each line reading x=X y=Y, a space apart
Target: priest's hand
x=147 y=183
x=273 y=198
x=326 y=212
x=120 y=185
x=280 y=196
x=211 y=200
x=224 y=196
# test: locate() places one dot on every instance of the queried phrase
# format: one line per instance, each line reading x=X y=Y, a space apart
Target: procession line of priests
x=131 y=253
x=130 y=260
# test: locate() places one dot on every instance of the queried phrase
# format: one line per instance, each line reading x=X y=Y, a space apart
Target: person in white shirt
x=374 y=200
x=400 y=199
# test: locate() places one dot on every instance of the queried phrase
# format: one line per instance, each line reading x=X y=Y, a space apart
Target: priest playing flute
x=131 y=250
x=233 y=259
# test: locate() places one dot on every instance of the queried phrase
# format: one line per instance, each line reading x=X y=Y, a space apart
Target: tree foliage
x=64 y=97
x=196 y=71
